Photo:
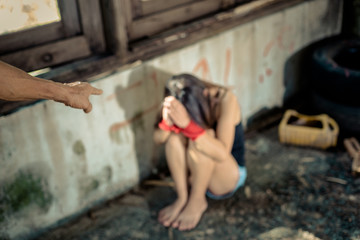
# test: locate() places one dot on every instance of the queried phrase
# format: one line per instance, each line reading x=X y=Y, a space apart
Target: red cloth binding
x=193 y=131
x=163 y=125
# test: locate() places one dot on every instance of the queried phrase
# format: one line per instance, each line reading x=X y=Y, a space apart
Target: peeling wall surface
x=55 y=162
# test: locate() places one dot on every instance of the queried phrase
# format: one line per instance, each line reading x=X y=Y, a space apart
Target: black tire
x=347 y=117
x=335 y=70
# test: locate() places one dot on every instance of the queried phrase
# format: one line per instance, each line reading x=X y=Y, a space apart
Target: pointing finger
x=96 y=91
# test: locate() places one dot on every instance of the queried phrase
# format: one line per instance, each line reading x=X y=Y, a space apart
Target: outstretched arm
x=17 y=85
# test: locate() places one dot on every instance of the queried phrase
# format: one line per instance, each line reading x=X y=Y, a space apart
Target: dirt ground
x=291 y=193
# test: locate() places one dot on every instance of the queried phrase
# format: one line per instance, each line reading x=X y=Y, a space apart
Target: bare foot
x=168 y=214
x=190 y=216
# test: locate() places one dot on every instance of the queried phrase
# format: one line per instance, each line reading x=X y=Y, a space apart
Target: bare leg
x=201 y=169
x=206 y=174
x=175 y=156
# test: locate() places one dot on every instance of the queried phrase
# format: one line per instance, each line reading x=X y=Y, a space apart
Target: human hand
x=78 y=95
x=176 y=111
x=166 y=117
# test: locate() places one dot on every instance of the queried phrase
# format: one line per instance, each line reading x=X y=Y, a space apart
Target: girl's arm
x=219 y=147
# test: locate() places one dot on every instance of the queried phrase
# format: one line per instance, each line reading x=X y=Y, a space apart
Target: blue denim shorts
x=241 y=182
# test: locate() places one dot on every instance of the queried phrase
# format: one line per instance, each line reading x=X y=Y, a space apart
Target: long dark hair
x=189 y=90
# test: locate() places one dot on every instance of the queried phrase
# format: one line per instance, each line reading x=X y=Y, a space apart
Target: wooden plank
x=152 y=6
x=115 y=26
x=353 y=148
x=127 y=11
x=92 y=24
x=69 y=17
x=9 y=107
x=156 y=23
x=227 y=3
x=49 y=54
x=69 y=26
x=31 y=37
x=136 y=8
x=243 y=1
x=185 y=35
x=253 y=6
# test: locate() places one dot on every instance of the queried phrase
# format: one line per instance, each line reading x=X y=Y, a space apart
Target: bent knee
x=197 y=157
x=175 y=140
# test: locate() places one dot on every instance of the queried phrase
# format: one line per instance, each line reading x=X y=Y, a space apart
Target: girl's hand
x=166 y=117
x=176 y=111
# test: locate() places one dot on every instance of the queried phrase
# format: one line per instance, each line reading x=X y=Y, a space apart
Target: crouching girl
x=201 y=127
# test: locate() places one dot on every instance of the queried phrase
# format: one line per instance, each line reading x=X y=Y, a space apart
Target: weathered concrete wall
x=56 y=161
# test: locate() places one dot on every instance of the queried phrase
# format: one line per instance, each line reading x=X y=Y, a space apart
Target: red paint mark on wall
x=268 y=72
x=261 y=78
x=279 y=41
x=204 y=67
x=116 y=126
x=227 y=66
x=110 y=97
x=154 y=78
x=268 y=47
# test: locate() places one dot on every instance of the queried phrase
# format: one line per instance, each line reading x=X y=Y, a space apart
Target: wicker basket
x=319 y=131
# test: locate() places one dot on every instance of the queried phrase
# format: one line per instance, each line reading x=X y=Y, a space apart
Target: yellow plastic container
x=319 y=131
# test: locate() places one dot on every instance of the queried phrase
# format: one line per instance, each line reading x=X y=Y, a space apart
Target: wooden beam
x=49 y=54
x=92 y=24
x=185 y=35
x=227 y=3
x=127 y=11
x=115 y=26
x=31 y=37
x=136 y=8
x=154 y=6
x=164 y=20
x=69 y=17
x=69 y=26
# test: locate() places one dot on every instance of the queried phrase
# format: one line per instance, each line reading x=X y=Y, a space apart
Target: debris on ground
x=291 y=193
x=353 y=148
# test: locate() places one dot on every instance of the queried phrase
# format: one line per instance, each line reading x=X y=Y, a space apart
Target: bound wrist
x=164 y=126
x=192 y=130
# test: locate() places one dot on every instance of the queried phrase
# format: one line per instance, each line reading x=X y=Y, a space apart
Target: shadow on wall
x=141 y=101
